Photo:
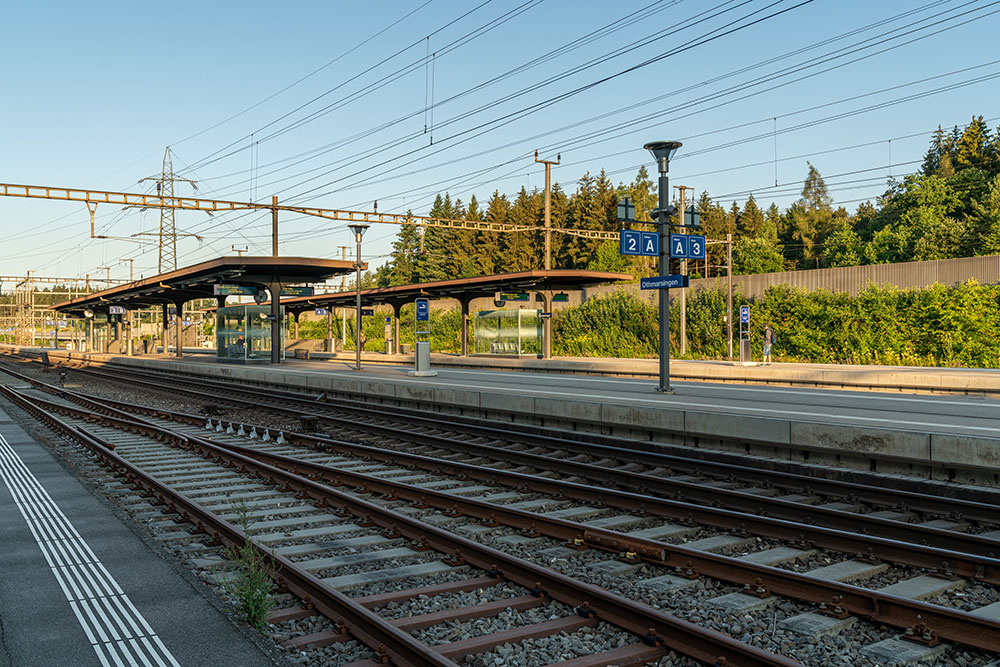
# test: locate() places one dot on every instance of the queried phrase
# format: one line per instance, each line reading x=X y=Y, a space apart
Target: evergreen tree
x=811 y=218
x=932 y=160
x=864 y=220
x=519 y=249
x=438 y=260
x=751 y=219
x=405 y=255
x=973 y=147
x=713 y=225
x=488 y=251
x=983 y=229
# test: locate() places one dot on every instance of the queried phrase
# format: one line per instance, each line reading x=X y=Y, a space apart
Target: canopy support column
x=465 y=324
x=165 y=331
x=276 y=324
x=547 y=325
x=397 y=308
x=178 y=342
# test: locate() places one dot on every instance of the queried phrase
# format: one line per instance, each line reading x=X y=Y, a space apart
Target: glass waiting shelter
x=508 y=332
x=243 y=334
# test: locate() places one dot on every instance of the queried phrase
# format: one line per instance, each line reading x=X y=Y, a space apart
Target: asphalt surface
x=38 y=625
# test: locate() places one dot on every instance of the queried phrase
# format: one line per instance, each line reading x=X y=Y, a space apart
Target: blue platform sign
x=745 y=314
x=632 y=242
x=664 y=282
x=423 y=313
x=116 y=310
x=687 y=246
x=650 y=244
x=678 y=246
x=322 y=311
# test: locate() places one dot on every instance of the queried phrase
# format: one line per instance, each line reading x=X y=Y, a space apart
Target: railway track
x=930 y=518
x=353 y=467
x=314 y=524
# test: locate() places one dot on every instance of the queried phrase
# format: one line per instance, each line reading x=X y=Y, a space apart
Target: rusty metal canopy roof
x=197 y=281
x=556 y=280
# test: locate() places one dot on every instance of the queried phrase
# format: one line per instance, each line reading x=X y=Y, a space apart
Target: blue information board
x=423 y=313
x=116 y=310
x=630 y=242
x=664 y=282
x=650 y=244
x=745 y=314
x=678 y=246
x=687 y=246
x=322 y=311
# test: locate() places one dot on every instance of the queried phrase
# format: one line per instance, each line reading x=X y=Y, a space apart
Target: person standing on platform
x=769 y=340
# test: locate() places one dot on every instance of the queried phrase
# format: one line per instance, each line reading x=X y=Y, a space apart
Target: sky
x=339 y=105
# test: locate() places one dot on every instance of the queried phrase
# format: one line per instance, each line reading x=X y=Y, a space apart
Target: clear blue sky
x=93 y=92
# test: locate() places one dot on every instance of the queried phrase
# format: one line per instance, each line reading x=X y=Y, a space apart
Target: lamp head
x=663 y=151
x=359 y=230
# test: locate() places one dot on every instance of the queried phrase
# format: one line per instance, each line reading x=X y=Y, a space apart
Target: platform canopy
x=199 y=281
x=464 y=290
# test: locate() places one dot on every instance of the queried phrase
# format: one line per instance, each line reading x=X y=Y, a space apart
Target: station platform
x=909 y=432
x=973 y=381
x=79 y=587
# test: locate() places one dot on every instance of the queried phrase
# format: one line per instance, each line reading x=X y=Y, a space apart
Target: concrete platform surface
x=80 y=588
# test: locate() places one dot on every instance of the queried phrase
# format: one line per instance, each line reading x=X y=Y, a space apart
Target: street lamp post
x=359 y=231
x=663 y=151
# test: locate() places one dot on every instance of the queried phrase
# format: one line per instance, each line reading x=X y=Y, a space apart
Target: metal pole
x=548 y=207
x=276 y=324
x=663 y=226
x=357 y=305
x=343 y=311
x=329 y=330
x=682 y=333
x=729 y=295
x=274 y=226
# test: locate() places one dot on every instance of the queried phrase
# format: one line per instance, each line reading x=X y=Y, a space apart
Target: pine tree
x=938 y=148
x=518 y=252
x=488 y=243
x=405 y=254
x=751 y=219
x=973 y=147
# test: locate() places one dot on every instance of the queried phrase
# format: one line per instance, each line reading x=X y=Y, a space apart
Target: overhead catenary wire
x=564 y=143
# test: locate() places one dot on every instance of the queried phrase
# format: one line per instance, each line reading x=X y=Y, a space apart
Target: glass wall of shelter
x=508 y=332
x=243 y=334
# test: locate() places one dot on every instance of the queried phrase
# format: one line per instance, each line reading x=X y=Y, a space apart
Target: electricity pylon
x=168 y=229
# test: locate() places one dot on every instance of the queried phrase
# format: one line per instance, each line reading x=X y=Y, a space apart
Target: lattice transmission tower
x=168 y=227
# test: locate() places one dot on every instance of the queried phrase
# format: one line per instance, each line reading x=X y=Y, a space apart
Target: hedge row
x=936 y=326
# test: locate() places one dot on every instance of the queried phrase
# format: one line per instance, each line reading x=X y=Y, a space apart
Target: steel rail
x=922 y=502
x=654 y=626
x=948 y=561
x=835 y=597
x=364 y=625
x=664 y=487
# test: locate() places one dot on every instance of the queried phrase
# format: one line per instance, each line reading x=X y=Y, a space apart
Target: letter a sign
x=678 y=246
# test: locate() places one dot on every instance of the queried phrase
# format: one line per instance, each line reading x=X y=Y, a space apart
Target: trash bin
x=745 y=355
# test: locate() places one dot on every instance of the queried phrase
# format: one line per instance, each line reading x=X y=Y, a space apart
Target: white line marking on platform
x=719 y=385
x=668 y=402
x=72 y=561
